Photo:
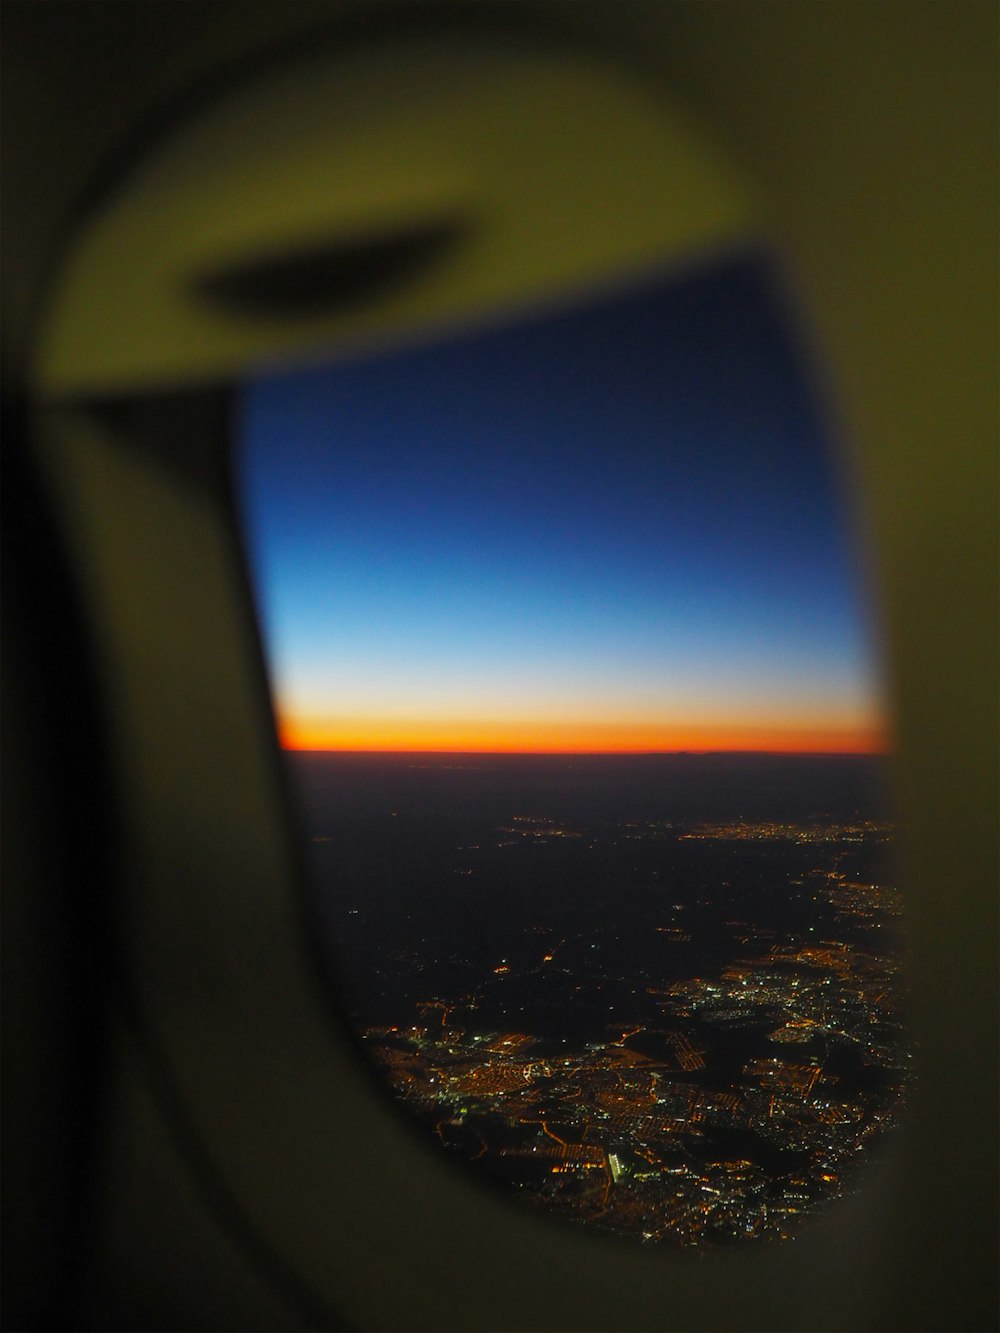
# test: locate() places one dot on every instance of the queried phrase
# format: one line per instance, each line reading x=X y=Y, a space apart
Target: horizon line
x=589 y=754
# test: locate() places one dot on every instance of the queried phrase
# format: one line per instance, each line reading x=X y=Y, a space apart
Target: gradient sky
x=612 y=527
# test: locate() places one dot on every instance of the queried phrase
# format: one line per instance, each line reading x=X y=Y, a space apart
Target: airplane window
x=571 y=664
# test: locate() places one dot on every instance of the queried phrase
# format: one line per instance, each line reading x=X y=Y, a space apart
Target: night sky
x=611 y=527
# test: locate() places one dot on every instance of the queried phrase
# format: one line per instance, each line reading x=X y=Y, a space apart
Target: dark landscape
x=658 y=995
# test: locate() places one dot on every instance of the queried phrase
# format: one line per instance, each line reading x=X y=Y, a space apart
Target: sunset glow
x=609 y=530
x=457 y=737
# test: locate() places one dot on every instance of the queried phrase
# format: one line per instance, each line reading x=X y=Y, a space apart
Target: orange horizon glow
x=435 y=736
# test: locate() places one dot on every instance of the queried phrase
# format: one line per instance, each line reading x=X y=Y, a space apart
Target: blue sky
x=617 y=523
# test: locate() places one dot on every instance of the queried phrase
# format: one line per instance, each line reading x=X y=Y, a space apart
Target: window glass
x=571 y=663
